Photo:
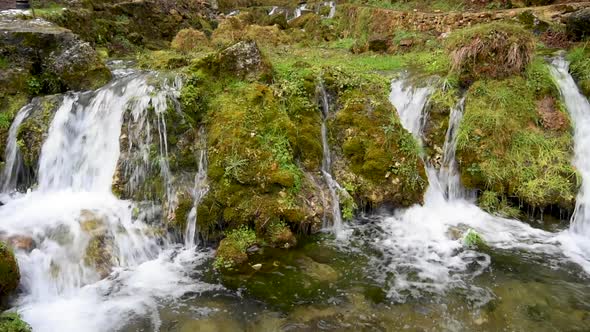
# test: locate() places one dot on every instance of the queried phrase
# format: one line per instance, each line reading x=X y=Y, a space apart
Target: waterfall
x=91 y=264
x=332 y=5
x=200 y=190
x=579 y=109
x=333 y=186
x=13 y=161
x=575 y=242
x=146 y=132
x=448 y=176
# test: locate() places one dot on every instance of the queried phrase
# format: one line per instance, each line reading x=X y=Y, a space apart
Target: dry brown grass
x=187 y=40
x=491 y=50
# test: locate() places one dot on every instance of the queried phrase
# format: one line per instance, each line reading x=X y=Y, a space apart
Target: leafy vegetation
x=579 y=58
x=11 y=322
x=505 y=147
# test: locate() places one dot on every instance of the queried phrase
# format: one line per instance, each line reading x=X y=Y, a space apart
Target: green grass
x=579 y=58
x=503 y=147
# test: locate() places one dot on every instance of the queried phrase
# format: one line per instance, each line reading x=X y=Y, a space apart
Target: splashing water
x=576 y=241
x=448 y=176
x=423 y=245
x=143 y=121
x=13 y=162
x=201 y=189
x=80 y=232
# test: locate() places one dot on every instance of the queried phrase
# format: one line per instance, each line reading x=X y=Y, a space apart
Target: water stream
x=333 y=186
x=13 y=159
x=576 y=241
x=94 y=266
x=91 y=265
x=200 y=190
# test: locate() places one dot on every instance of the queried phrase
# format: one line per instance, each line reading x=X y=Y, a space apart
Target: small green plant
x=11 y=322
x=34 y=86
x=242 y=237
x=472 y=239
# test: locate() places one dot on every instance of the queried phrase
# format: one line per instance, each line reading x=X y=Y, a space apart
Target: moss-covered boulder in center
x=9 y=272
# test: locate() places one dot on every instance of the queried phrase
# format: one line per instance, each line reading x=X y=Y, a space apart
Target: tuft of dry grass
x=491 y=50
x=187 y=40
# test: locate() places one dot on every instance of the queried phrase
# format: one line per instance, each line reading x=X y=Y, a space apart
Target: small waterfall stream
x=448 y=176
x=576 y=242
x=13 y=162
x=333 y=186
x=81 y=233
x=200 y=190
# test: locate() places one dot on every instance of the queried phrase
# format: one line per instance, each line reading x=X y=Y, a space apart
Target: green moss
x=232 y=250
x=9 y=271
x=381 y=158
x=579 y=58
x=11 y=322
x=504 y=147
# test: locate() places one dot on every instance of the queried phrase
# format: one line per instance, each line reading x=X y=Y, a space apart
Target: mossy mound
x=11 y=322
x=380 y=161
x=187 y=40
x=492 y=50
x=579 y=58
x=9 y=272
x=506 y=147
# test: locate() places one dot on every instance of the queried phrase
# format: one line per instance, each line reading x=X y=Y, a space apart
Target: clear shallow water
x=395 y=270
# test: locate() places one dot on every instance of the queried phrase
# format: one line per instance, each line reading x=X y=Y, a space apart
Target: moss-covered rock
x=34 y=130
x=243 y=60
x=232 y=250
x=505 y=147
x=54 y=57
x=11 y=322
x=123 y=26
x=9 y=272
x=187 y=40
x=490 y=50
x=379 y=161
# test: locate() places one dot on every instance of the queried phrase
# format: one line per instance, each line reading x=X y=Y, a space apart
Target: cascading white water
x=12 y=158
x=576 y=241
x=200 y=190
x=579 y=109
x=448 y=176
x=333 y=186
x=81 y=232
x=422 y=245
x=146 y=120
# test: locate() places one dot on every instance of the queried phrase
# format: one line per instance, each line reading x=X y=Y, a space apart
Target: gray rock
x=578 y=24
x=244 y=60
x=55 y=55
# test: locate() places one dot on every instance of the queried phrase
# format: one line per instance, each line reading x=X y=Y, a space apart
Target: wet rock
x=9 y=272
x=257 y=267
x=318 y=271
x=578 y=24
x=21 y=242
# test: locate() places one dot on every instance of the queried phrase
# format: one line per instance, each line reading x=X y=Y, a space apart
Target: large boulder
x=9 y=272
x=578 y=24
x=51 y=59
